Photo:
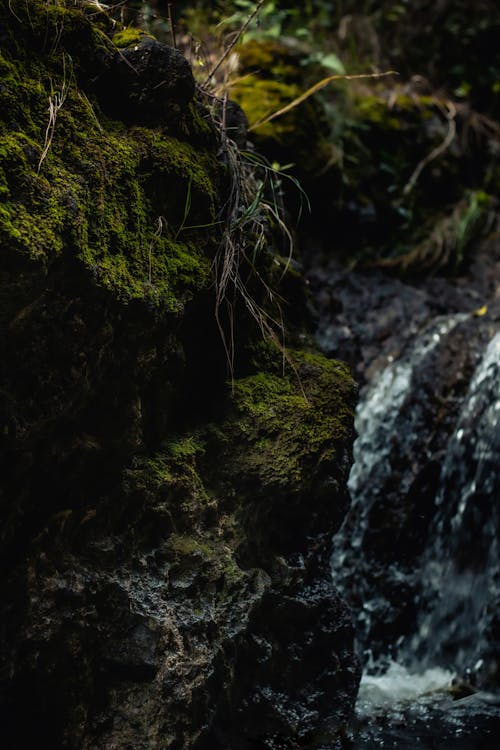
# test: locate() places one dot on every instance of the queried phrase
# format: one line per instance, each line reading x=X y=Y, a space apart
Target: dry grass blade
x=313 y=90
x=248 y=215
x=56 y=102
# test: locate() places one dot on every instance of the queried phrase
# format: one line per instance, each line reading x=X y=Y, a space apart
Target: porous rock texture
x=165 y=535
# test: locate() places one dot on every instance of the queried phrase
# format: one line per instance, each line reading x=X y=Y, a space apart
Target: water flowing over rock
x=464 y=566
x=418 y=555
x=422 y=533
x=407 y=421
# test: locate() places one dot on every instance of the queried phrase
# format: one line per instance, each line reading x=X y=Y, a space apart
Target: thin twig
x=13 y=11
x=234 y=42
x=56 y=102
x=448 y=140
x=171 y=24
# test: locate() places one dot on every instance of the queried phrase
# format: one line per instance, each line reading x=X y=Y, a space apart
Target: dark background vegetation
x=406 y=166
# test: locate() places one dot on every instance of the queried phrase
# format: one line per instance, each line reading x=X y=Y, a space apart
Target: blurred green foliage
x=452 y=43
x=357 y=146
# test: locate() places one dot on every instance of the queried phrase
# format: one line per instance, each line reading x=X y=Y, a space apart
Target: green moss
x=120 y=199
x=201 y=127
x=32 y=217
x=400 y=113
x=185 y=448
x=293 y=426
x=299 y=136
x=272 y=78
x=260 y=98
x=171 y=482
x=187 y=546
x=129 y=36
x=173 y=158
x=214 y=553
x=283 y=432
x=271 y=59
x=376 y=111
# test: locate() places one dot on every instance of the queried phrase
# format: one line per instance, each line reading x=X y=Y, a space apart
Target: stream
x=418 y=555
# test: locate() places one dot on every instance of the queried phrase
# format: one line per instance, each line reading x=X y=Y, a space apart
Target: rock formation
x=165 y=533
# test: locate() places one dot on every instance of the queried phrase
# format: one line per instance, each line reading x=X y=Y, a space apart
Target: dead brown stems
x=56 y=102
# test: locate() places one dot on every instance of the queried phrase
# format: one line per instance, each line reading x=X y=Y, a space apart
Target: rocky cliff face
x=165 y=536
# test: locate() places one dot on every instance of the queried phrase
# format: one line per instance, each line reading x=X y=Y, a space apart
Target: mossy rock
x=118 y=199
x=288 y=435
x=143 y=551
x=271 y=60
x=292 y=426
x=129 y=36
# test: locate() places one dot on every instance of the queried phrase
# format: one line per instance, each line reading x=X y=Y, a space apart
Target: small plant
x=252 y=212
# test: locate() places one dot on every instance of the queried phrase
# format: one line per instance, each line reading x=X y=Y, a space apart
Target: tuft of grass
x=252 y=213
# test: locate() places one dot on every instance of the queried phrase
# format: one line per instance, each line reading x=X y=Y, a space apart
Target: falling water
x=378 y=417
x=463 y=568
x=435 y=675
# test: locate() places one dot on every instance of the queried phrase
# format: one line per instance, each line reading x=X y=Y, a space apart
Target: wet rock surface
x=131 y=618
x=368 y=316
x=470 y=723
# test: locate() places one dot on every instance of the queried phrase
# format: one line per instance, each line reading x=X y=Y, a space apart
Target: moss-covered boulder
x=117 y=199
x=163 y=530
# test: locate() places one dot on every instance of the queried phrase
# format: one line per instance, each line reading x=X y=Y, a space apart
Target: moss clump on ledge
x=293 y=426
x=128 y=36
x=273 y=465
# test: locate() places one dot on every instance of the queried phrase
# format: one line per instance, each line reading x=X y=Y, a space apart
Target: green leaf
x=332 y=62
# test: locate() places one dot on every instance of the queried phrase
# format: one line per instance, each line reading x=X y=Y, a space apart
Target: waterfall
x=463 y=565
x=418 y=555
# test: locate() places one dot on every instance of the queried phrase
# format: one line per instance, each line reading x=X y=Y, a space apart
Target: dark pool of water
x=434 y=722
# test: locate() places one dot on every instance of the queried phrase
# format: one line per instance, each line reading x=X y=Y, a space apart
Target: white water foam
x=398 y=685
